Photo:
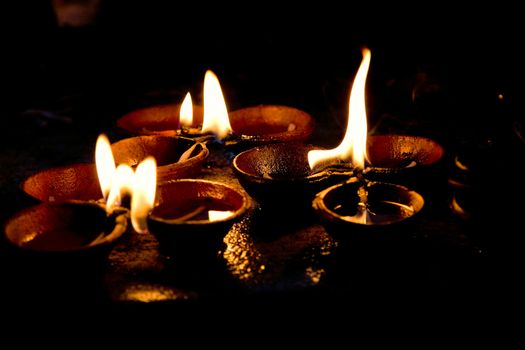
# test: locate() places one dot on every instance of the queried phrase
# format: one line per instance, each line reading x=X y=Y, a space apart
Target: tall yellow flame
x=186 y=111
x=215 y=112
x=105 y=164
x=143 y=198
x=353 y=146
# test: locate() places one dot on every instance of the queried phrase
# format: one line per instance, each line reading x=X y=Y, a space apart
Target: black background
x=436 y=70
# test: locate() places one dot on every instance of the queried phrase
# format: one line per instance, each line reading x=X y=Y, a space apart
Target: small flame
x=122 y=184
x=217 y=215
x=105 y=164
x=143 y=198
x=353 y=146
x=215 y=112
x=186 y=111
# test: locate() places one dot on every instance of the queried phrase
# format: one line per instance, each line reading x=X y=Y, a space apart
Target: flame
x=121 y=184
x=217 y=215
x=186 y=111
x=105 y=164
x=215 y=112
x=353 y=146
x=143 y=198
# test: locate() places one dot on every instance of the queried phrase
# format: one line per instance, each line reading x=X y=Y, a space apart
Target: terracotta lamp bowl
x=403 y=159
x=269 y=124
x=166 y=150
x=180 y=220
x=253 y=125
x=80 y=181
x=66 y=232
x=77 y=181
x=156 y=120
x=278 y=176
x=391 y=207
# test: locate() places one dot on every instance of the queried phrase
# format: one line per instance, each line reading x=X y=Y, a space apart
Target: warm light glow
x=215 y=112
x=353 y=146
x=105 y=164
x=121 y=185
x=143 y=198
x=186 y=111
x=217 y=215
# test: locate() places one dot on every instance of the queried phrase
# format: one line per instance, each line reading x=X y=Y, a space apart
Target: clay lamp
x=83 y=233
x=288 y=177
x=177 y=157
x=359 y=209
x=191 y=217
x=66 y=232
x=244 y=127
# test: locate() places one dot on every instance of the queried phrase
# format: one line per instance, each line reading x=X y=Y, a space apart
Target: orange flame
x=186 y=111
x=105 y=164
x=215 y=112
x=122 y=183
x=353 y=146
x=143 y=198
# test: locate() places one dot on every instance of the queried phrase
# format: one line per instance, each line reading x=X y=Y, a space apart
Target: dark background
x=455 y=75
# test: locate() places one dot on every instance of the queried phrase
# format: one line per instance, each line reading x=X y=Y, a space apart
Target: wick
x=184 y=156
x=189 y=131
x=192 y=214
x=359 y=174
x=362 y=193
x=97 y=240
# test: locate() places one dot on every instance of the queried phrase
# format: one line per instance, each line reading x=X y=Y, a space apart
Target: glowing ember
x=105 y=164
x=143 y=198
x=353 y=146
x=186 y=111
x=215 y=112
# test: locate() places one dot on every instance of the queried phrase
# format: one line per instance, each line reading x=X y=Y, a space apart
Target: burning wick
x=216 y=123
x=186 y=118
x=121 y=184
x=353 y=146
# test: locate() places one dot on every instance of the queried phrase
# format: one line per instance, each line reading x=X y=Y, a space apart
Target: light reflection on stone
x=243 y=259
x=148 y=294
x=292 y=261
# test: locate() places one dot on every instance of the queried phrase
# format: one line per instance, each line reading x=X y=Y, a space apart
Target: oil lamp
x=70 y=231
x=177 y=157
x=191 y=217
x=248 y=126
x=75 y=231
x=286 y=176
x=359 y=204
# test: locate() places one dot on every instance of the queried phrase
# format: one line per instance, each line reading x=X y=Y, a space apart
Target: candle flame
x=143 y=198
x=105 y=164
x=122 y=184
x=353 y=146
x=215 y=112
x=186 y=111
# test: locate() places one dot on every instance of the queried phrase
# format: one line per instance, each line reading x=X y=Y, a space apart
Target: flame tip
x=216 y=118
x=353 y=146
